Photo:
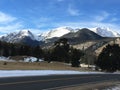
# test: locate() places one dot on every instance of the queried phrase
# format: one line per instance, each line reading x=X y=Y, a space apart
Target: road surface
x=53 y=82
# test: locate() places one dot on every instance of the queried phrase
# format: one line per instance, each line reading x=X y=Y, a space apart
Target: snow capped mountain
x=58 y=32
x=26 y=36
x=105 y=32
x=25 y=33
x=8 y=37
x=19 y=36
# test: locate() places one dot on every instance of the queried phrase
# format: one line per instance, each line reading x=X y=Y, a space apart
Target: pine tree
x=60 y=51
x=109 y=58
x=37 y=52
x=75 y=56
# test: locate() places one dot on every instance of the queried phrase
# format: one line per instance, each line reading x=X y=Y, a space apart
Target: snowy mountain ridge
x=17 y=36
x=105 y=32
x=57 y=32
x=25 y=33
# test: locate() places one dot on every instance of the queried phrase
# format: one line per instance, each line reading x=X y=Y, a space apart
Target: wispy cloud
x=73 y=11
x=114 y=19
x=5 y=18
x=9 y=23
x=10 y=28
x=102 y=16
x=42 y=22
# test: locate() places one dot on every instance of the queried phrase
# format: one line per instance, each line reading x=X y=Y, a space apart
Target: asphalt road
x=53 y=82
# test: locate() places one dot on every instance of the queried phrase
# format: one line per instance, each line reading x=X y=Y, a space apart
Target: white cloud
x=102 y=16
x=73 y=11
x=5 y=18
x=114 y=19
x=10 y=28
x=9 y=23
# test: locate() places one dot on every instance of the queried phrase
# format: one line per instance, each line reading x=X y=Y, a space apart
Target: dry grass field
x=37 y=66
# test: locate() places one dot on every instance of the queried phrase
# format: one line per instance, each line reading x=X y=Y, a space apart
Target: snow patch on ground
x=17 y=73
x=6 y=59
x=32 y=59
x=27 y=59
x=114 y=88
x=3 y=58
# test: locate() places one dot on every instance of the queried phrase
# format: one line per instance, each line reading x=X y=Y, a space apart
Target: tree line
x=10 y=49
x=61 y=51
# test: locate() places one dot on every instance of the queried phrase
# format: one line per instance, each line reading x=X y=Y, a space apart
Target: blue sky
x=42 y=15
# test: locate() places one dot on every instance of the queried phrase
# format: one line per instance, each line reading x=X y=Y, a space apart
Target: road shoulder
x=95 y=86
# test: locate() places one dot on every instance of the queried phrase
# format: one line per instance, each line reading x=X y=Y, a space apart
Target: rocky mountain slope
x=24 y=36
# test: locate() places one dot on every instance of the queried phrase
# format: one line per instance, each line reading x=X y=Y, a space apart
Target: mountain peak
x=86 y=33
x=25 y=32
x=105 y=32
x=58 y=32
x=21 y=36
x=82 y=35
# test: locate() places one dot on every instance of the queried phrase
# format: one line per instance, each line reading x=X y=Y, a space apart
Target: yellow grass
x=37 y=66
